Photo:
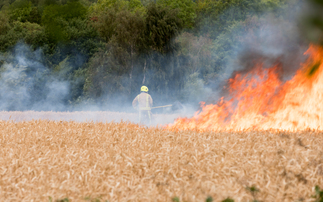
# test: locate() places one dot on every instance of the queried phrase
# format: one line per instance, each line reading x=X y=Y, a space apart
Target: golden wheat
x=125 y=162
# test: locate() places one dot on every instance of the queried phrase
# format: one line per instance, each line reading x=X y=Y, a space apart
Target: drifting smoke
x=27 y=84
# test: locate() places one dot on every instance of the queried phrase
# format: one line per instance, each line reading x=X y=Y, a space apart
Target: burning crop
x=260 y=100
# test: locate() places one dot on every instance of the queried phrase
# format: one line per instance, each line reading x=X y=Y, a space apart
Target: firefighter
x=143 y=102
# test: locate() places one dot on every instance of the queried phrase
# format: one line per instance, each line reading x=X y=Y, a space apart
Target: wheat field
x=43 y=160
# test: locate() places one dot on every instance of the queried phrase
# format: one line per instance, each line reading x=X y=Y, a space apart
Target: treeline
x=107 y=49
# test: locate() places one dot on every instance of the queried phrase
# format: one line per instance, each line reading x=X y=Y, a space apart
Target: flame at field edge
x=259 y=100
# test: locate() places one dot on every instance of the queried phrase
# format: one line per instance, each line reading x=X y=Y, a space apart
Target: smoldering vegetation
x=54 y=160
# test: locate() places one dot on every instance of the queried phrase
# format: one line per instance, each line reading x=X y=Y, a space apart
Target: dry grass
x=123 y=162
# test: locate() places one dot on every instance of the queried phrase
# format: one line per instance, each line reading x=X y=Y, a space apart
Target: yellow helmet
x=144 y=88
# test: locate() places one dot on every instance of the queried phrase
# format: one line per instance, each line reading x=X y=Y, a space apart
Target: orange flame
x=260 y=100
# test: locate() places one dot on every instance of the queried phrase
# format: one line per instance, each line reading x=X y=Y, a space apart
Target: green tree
x=4 y=5
x=129 y=34
x=313 y=22
x=214 y=17
x=123 y=33
x=4 y=24
x=162 y=26
x=118 y=5
x=187 y=10
x=105 y=23
x=24 y=11
x=56 y=19
x=31 y=33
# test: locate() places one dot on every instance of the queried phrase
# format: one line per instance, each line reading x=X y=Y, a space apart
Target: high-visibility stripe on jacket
x=143 y=101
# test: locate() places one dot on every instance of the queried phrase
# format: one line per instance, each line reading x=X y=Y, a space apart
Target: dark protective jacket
x=143 y=101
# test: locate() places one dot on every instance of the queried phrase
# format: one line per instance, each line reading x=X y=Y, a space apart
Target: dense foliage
x=107 y=49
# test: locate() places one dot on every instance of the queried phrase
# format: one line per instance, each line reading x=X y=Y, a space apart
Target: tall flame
x=260 y=100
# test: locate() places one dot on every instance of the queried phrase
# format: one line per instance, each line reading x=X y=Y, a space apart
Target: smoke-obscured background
x=96 y=54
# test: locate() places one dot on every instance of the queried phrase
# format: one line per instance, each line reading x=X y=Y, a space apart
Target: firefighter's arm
x=135 y=102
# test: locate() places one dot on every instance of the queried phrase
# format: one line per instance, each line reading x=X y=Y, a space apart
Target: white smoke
x=26 y=84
